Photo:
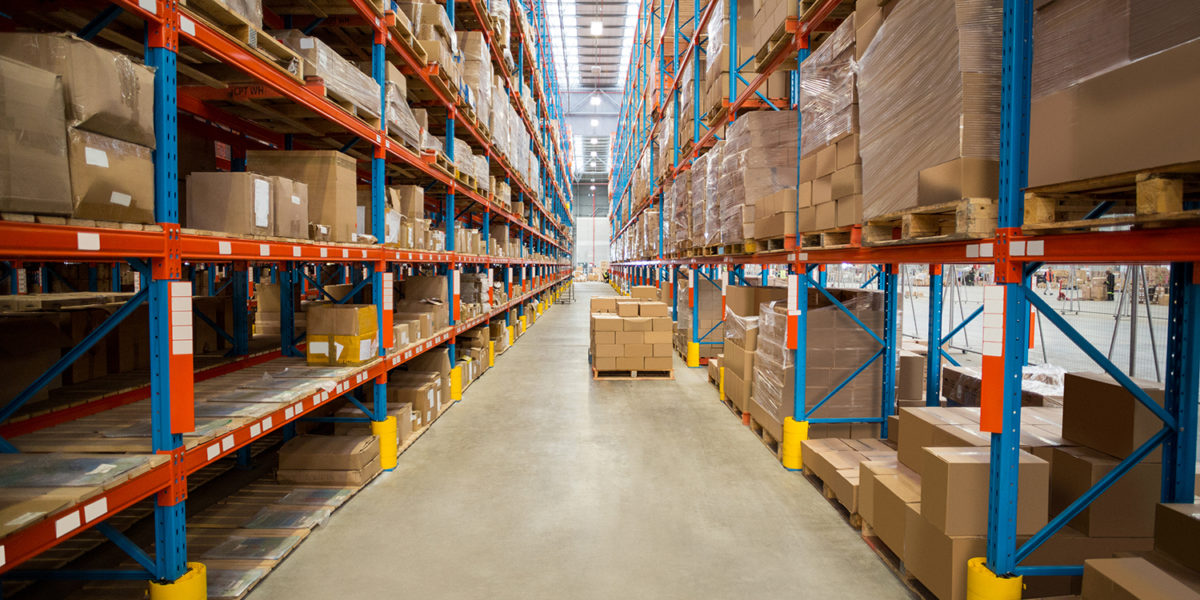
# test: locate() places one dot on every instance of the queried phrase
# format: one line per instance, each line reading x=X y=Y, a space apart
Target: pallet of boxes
x=924 y=505
x=837 y=346
x=630 y=339
x=704 y=298
x=741 y=341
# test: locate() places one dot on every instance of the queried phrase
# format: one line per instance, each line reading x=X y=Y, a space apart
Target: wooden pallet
x=215 y=14
x=1143 y=199
x=770 y=244
x=852 y=518
x=966 y=219
x=838 y=237
x=710 y=250
x=778 y=42
x=745 y=247
x=626 y=375
x=73 y=222
x=766 y=438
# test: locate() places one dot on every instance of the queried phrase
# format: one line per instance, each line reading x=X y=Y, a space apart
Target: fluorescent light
x=595 y=122
x=593 y=153
x=597 y=27
x=593 y=188
x=595 y=101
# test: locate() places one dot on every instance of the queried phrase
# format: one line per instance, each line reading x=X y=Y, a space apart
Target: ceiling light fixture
x=595 y=100
x=595 y=122
x=597 y=27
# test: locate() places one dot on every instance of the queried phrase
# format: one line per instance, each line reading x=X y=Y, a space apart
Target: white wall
x=591 y=240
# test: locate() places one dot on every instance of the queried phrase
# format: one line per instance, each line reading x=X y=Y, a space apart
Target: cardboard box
x=918 y=428
x=958 y=179
x=893 y=494
x=638 y=323
x=954 y=490
x=1102 y=415
x=1124 y=510
x=1130 y=578
x=630 y=363
x=644 y=292
x=846 y=181
x=627 y=309
x=825 y=216
x=1176 y=529
x=822 y=190
x=290 y=204
x=653 y=309
x=111 y=180
x=332 y=453
x=847 y=154
x=331 y=178
x=1074 y=133
x=848 y=211
x=939 y=561
x=738 y=360
x=826 y=160
x=744 y=300
x=658 y=363
x=106 y=92
x=601 y=304
x=230 y=202
x=607 y=322
x=32 y=106
x=424 y=397
x=737 y=390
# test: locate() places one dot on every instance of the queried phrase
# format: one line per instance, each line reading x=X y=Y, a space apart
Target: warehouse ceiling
x=585 y=60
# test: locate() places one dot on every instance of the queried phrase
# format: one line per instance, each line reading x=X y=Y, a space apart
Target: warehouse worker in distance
x=1110 y=285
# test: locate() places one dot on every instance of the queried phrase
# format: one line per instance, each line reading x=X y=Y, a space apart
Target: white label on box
x=187 y=25
x=337 y=351
x=88 y=241
x=318 y=347
x=227 y=443
x=307 y=43
x=224 y=248
x=95 y=157
x=67 y=524
x=262 y=203
x=365 y=348
x=296 y=200
x=255 y=429
x=264 y=249
x=266 y=423
x=120 y=198
x=95 y=510
x=213 y=451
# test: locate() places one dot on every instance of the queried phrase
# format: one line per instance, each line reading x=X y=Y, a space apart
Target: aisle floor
x=543 y=483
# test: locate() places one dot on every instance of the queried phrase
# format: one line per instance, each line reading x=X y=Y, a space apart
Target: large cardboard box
x=33 y=141
x=1102 y=415
x=106 y=92
x=744 y=300
x=290 y=204
x=919 y=425
x=1100 y=126
x=954 y=490
x=424 y=396
x=331 y=178
x=939 y=561
x=111 y=180
x=1131 y=578
x=1124 y=510
x=342 y=334
x=644 y=292
x=1176 y=530
x=333 y=453
x=230 y=202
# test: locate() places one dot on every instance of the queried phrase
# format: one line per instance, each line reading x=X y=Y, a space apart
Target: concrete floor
x=543 y=483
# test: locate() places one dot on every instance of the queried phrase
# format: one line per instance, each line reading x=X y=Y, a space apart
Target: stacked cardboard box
x=836 y=347
x=342 y=334
x=707 y=304
x=267 y=310
x=712 y=206
x=830 y=189
x=340 y=76
x=247 y=203
x=936 y=143
x=741 y=338
x=963 y=386
x=758 y=164
x=837 y=462
x=1096 y=65
x=425 y=297
x=435 y=34
x=90 y=154
x=699 y=199
x=476 y=72
x=402 y=411
x=329 y=460
x=628 y=334
x=717 y=59
x=331 y=180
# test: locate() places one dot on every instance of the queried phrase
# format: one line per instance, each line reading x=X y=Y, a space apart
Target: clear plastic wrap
x=828 y=100
x=1076 y=39
x=929 y=93
x=681 y=231
x=730 y=189
x=699 y=199
x=401 y=122
x=718 y=38
x=340 y=75
x=712 y=216
x=736 y=327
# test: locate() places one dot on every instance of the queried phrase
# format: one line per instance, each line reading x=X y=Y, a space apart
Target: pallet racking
x=170 y=261
x=1014 y=252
